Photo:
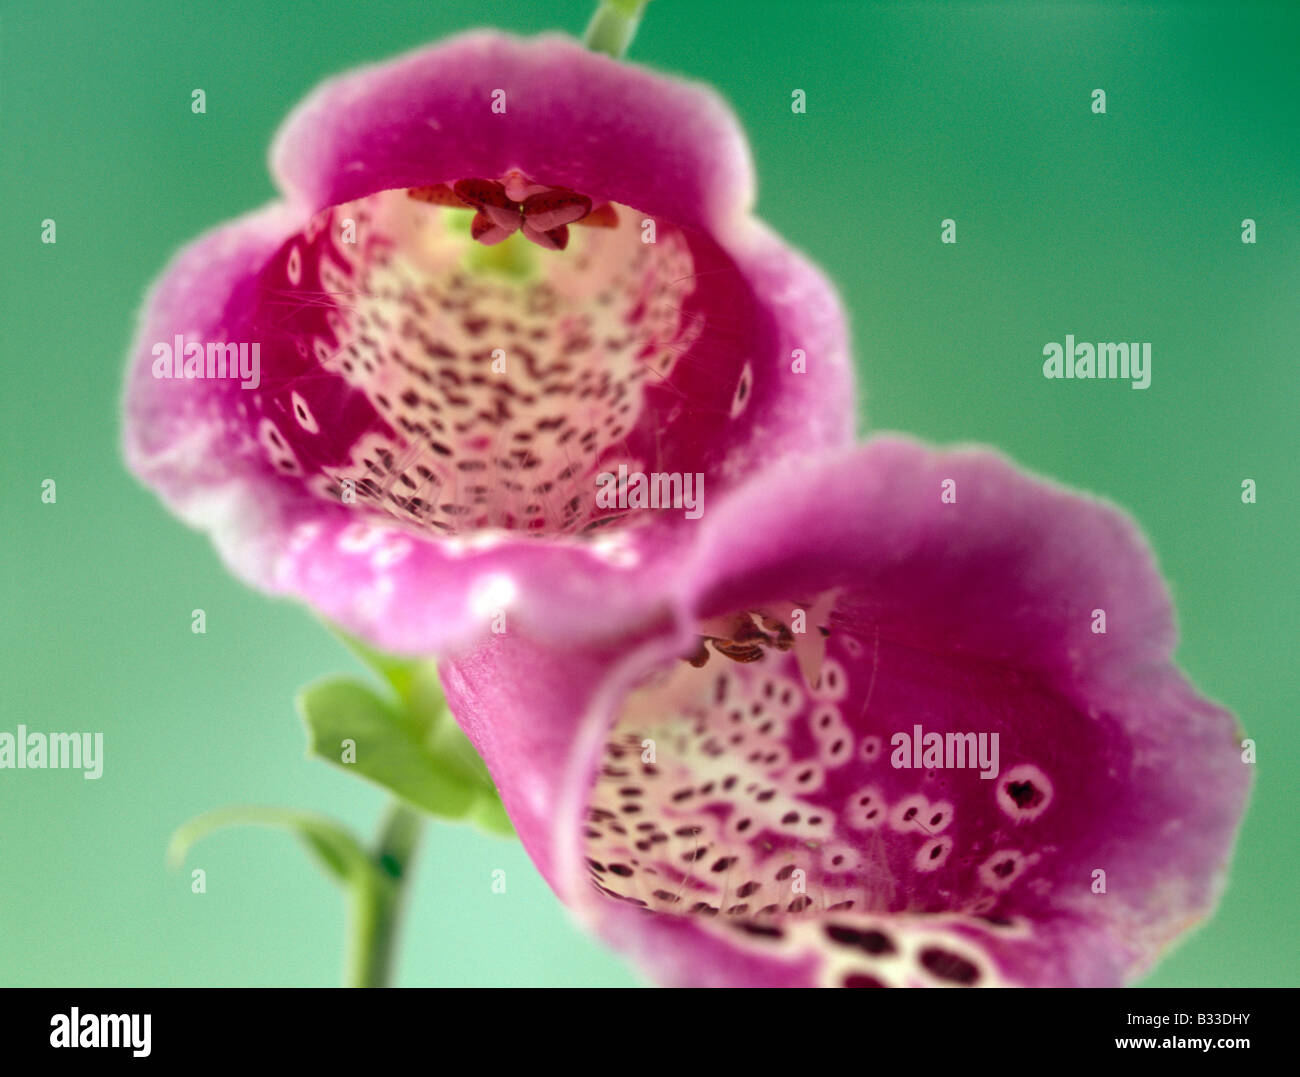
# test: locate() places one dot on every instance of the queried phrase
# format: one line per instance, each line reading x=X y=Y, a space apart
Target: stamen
x=542 y=213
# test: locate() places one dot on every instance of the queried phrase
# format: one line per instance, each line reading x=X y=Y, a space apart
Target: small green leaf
x=420 y=711
x=388 y=747
x=335 y=847
x=425 y=703
x=490 y=816
x=398 y=672
x=414 y=681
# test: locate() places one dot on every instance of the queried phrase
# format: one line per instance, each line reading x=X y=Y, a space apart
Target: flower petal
x=572 y=118
x=1077 y=817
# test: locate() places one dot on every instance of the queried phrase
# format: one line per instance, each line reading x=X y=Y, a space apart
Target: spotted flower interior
x=758 y=788
x=511 y=307
x=457 y=360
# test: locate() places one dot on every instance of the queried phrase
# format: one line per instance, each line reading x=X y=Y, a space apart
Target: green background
x=1117 y=227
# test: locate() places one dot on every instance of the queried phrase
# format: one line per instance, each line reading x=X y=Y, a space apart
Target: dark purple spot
x=1025 y=794
x=762 y=930
x=949 y=966
x=861 y=979
x=869 y=941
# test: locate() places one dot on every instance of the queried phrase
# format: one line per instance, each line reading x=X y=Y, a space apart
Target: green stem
x=613 y=26
x=376 y=901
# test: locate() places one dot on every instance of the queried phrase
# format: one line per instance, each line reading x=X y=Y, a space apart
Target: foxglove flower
x=913 y=721
x=500 y=269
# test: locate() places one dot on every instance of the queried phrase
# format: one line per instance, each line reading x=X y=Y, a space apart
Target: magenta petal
x=779 y=833
x=182 y=437
x=572 y=118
